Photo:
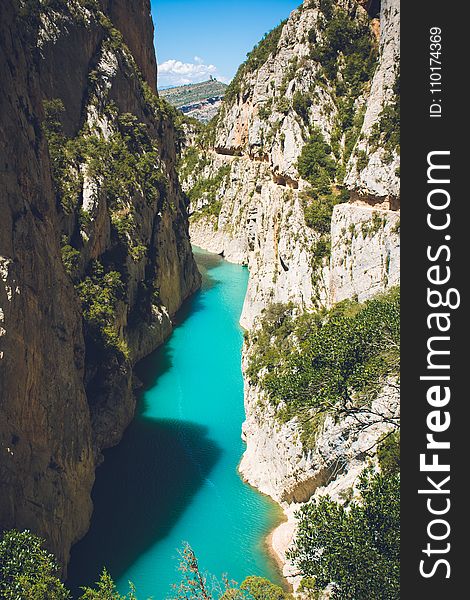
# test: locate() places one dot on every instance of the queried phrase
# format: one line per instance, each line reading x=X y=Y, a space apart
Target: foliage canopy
x=355 y=549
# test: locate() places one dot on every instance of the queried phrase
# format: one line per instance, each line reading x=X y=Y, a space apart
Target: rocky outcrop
x=94 y=249
x=258 y=215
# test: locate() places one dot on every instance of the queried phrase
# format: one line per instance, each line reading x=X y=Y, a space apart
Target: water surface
x=174 y=476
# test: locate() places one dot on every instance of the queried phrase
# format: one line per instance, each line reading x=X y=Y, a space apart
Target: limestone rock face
x=46 y=455
x=264 y=229
x=258 y=137
x=248 y=203
x=380 y=177
x=66 y=393
x=365 y=252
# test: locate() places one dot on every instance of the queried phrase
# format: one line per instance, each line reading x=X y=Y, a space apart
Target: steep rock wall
x=248 y=203
x=46 y=455
x=256 y=214
x=78 y=105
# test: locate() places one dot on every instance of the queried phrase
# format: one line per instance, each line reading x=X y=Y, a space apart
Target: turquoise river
x=174 y=476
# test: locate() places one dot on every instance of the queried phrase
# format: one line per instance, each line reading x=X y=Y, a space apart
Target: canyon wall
x=95 y=256
x=265 y=122
x=254 y=202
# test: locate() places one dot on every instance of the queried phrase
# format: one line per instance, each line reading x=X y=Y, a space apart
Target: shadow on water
x=148 y=480
x=141 y=490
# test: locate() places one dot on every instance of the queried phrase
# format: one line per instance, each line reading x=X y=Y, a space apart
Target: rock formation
x=266 y=121
x=94 y=248
x=291 y=117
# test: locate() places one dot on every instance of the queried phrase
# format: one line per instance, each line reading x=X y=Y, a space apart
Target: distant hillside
x=193 y=93
x=199 y=100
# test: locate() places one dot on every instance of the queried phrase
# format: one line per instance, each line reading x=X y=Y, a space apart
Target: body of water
x=174 y=479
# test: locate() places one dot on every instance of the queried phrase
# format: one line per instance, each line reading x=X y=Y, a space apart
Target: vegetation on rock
x=318 y=166
x=347 y=54
x=100 y=293
x=355 y=548
x=122 y=165
x=334 y=361
x=206 y=189
x=316 y=163
x=119 y=173
x=386 y=131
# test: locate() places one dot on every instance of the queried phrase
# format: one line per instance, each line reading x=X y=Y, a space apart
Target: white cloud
x=175 y=72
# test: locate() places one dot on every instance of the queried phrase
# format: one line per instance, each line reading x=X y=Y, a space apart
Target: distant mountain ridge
x=193 y=93
x=199 y=100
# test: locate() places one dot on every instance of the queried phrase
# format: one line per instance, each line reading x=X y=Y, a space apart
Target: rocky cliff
x=94 y=248
x=298 y=177
x=252 y=199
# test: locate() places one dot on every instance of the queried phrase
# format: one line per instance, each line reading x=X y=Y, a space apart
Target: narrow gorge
x=298 y=178
x=111 y=351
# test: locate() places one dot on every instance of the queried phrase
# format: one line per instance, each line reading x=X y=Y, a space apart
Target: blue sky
x=198 y=38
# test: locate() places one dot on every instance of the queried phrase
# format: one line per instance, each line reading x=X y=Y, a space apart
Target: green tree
x=100 y=294
x=259 y=588
x=336 y=362
x=27 y=570
x=356 y=548
x=316 y=163
x=106 y=590
x=388 y=453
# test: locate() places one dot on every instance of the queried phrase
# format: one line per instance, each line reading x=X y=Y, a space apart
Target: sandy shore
x=279 y=541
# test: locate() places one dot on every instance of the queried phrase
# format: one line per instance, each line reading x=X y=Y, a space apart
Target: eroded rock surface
x=80 y=237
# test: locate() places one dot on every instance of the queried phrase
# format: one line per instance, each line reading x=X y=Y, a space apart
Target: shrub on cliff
x=349 y=38
x=316 y=163
x=100 y=294
x=388 y=453
x=356 y=548
x=332 y=362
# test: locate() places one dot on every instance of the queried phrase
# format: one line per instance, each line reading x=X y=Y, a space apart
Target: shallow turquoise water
x=174 y=476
